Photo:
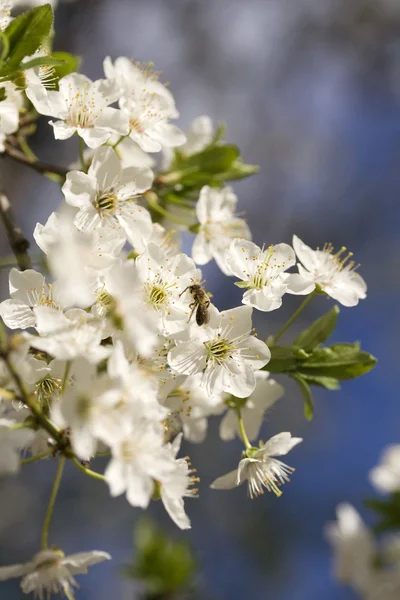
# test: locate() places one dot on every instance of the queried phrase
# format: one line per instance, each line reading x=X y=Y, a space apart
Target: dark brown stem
x=38 y=165
x=19 y=244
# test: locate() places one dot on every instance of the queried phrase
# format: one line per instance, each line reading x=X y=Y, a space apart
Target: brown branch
x=38 y=165
x=19 y=244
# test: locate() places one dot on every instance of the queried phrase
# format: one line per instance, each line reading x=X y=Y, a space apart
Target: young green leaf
x=340 y=361
x=319 y=331
x=307 y=395
x=26 y=33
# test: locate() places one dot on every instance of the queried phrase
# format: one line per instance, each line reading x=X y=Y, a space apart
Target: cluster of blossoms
x=371 y=569
x=120 y=351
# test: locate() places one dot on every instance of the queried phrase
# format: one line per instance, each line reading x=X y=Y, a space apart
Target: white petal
x=115 y=474
x=201 y=250
x=78 y=563
x=175 y=507
x=297 y=284
x=279 y=444
x=187 y=358
x=240 y=256
x=256 y=352
x=17 y=315
x=94 y=136
x=13 y=571
x=225 y=482
x=62 y=131
x=304 y=253
x=79 y=189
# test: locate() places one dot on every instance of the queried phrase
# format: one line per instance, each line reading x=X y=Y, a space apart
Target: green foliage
x=214 y=165
x=307 y=396
x=388 y=510
x=25 y=34
x=67 y=63
x=309 y=364
x=2 y=94
x=164 y=566
x=322 y=366
x=319 y=331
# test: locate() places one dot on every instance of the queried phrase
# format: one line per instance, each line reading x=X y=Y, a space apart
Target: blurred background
x=310 y=91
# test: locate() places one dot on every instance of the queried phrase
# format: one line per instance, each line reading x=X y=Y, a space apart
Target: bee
x=201 y=302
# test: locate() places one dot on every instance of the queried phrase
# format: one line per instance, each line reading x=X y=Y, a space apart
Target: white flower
x=89 y=255
x=190 y=405
x=28 y=290
x=261 y=470
x=9 y=109
x=386 y=476
x=105 y=197
x=167 y=240
x=263 y=273
x=224 y=351
x=177 y=485
x=123 y=292
x=147 y=105
x=138 y=459
x=90 y=409
x=11 y=443
x=51 y=572
x=138 y=386
x=198 y=136
x=219 y=225
x=81 y=106
x=266 y=393
x=353 y=546
x=67 y=336
x=164 y=279
x=336 y=276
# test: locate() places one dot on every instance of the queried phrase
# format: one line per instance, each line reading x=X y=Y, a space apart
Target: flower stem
x=38 y=165
x=18 y=242
x=49 y=513
x=88 y=471
x=294 y=316
x=243 y=433
x=117 y=143
x=31 y=402
x=66 y=373
x=32 y=459
x=153 y=202
x=6 y=394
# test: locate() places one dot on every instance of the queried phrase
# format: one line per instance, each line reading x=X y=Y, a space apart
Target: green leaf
x=26 y=33
x=340 y=361
x=319 y=331
x=39 y=61
x=388 y=510
x=163 y=565
x=70 y=63
x=330 y=383
x=282 y=360
x=307 y=395
x=219 y=134
x=238 y=170
x=4 y=47
x=2 y=94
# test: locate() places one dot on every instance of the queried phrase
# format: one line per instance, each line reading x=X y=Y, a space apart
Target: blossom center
x=83 y=110
x=106 y=203
x=219 y=349
x=46 y=387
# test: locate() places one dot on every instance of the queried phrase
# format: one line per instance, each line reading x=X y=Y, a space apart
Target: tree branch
x=19 y=244
x=37 y=165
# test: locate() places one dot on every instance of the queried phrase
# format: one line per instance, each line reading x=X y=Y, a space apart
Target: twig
x=38 y=165
x=19 y=244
